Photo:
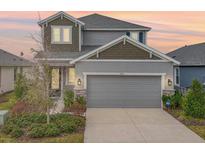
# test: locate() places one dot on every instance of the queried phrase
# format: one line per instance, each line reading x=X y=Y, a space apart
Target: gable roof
x=191 y=55
x=60 y=14
x=8 y=59
x=128 y=39
x=97 y=21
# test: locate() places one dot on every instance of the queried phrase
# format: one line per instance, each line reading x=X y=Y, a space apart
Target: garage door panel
x=124 y=91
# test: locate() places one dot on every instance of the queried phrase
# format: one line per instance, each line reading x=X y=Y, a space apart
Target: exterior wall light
x=169 y=82
x=79 y=82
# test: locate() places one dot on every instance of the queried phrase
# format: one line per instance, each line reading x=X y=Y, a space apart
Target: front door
x=55 y=82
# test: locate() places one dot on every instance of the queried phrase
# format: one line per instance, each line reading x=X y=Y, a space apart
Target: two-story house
x=105 y=59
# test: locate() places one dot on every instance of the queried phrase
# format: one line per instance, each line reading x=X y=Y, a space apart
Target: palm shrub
x=194 y=101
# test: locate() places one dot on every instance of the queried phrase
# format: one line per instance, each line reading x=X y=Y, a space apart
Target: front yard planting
x=188 y=108
x=33 y=128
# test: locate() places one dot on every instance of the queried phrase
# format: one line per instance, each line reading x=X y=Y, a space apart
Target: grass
x=197 y=125
x=68 y=138
x=200 y=130
x=5 y=104
x=71 y=138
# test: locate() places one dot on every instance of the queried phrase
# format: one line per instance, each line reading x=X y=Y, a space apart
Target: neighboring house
x=106 y=60
x=192 y=59
x=10 y=65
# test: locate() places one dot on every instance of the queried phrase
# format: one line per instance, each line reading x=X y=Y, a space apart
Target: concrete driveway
x=108 y=125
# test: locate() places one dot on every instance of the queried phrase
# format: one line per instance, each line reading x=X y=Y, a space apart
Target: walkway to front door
x=135 y=125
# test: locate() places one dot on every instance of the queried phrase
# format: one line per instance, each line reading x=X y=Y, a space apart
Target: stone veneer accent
x=80 y=92
x=168 y=92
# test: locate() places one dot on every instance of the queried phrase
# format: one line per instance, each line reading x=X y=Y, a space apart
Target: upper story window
x=134 y=35
x=176 y=76
x=142 y=37
x=138 y=36
x=128 y=34
x=61 y=34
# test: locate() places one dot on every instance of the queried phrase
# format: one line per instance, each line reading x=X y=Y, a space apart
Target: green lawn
x=5 y=104
x=195 y=124
x=71 y=138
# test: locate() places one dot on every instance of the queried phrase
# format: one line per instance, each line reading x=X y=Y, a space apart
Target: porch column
x=62 y=82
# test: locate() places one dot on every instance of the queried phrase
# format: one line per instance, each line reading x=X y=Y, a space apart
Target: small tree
x=43 y=73
x=194 y=101
x=38 y=92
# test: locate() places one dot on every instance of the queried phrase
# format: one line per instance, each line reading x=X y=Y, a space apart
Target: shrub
x=176 y=100
x=67 y=127
x=68 y=98
x=51 y=130
x=36 y=130
x=81 y=100
x=20 y=86
x=8 y=127
x=194 y=101
x=67 y=123
x=45 y=130
x=165 y=98
x=19 y=108
x=16 y=132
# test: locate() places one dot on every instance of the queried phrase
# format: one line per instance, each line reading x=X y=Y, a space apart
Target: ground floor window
x=70 y=76
x=55 y=79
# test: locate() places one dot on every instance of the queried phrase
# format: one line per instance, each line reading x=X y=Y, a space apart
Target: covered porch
x=62 y=78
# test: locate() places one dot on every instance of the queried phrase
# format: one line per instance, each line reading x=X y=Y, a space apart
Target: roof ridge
x=11 y=54
x=112 y=19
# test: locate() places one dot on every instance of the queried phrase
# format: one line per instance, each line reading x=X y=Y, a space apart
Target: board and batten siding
x=125 y=67
x=188 y=74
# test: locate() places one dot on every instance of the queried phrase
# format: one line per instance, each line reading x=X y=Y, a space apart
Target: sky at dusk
x=170 y=30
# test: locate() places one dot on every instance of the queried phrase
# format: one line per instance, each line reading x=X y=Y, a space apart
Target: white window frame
x=67 y=76
x=61 y=34
x=137 y=37
x=175 y=76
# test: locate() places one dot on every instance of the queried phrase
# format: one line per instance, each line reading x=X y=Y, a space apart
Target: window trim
x=175 y=76
x=67 y=76
x=137 y=33
x=61 y=34
x=143 y=37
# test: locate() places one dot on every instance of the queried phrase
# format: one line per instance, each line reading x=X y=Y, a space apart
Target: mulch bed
x=76 y=109
x=186 y=120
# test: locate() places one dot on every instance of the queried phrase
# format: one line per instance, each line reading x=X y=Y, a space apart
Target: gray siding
x=100 y=37
x=187 y=74
x=129 y=67
x=7 y=79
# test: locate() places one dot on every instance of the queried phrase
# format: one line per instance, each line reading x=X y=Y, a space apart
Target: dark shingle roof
x=191 y=55
x=68 y=54
x=8 y=59
x=97 y=21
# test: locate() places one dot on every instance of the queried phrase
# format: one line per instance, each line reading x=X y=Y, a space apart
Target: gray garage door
x=124 y=91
